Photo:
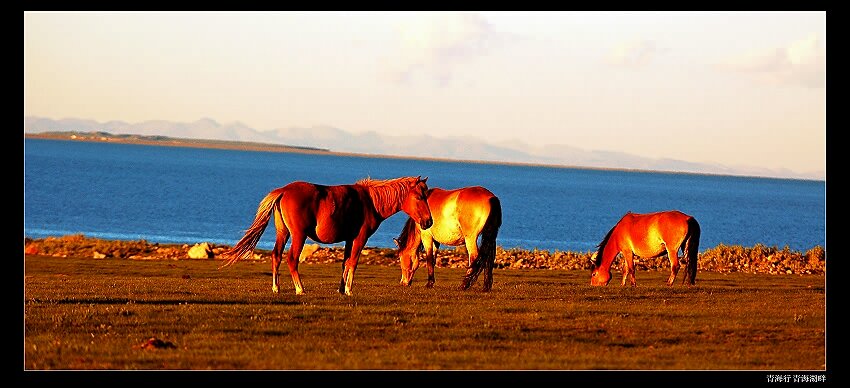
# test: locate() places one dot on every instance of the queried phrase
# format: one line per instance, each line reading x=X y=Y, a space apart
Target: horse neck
x=387 y=197
x=410 y=236
x=609 y=252
x=609 y=248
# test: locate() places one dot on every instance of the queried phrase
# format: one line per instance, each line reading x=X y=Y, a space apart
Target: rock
x=156 y=343
x=308 y=250
x=201 y=251
x=98 y=255
x=31 y=249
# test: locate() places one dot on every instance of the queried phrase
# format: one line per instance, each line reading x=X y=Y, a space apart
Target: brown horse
x=331 y=214
x=460 y=217
x=649 y=236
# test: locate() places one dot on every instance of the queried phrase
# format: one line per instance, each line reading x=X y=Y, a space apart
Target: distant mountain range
x=460 y=148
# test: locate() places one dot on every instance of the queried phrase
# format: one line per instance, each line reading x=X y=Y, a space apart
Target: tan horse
x=648 y=236
x=331 y=214
x=460 y=217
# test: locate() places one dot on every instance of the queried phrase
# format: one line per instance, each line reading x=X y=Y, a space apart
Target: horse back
x=326 y=214
x=645 y=231
x=657 y=220
x=458 y=212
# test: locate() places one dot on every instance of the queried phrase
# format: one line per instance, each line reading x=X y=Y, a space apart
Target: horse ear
x=424 y=180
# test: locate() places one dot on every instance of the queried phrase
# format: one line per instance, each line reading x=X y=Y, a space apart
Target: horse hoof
x=429 y=284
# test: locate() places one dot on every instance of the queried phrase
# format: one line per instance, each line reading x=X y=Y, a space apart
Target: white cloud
x=436 y=44
x=801 y=62
x=634 y=53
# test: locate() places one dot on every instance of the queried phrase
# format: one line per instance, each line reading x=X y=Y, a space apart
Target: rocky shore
x=722 y=258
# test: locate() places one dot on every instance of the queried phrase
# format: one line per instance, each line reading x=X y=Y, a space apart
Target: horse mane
x=601 y=246
x=407 y=234
x=387 y=194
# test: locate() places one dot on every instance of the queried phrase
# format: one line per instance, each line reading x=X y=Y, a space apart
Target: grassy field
x=87 y=314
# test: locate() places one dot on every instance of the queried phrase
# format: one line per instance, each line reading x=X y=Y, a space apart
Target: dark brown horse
x=460 y=216
x=331 y=214
x=648 y=236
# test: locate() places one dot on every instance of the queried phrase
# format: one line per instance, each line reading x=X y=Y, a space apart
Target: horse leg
x=474 y=263
x=277 y=254
x=292 y=259
x=351 y=264
x=673 y=254
x=629 y=268
x=345 y=255
x=688 y=278
x=430 y=260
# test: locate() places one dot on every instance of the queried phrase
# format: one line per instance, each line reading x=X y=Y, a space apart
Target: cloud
x=436 y=44
x=636 y=53
x=801 y=62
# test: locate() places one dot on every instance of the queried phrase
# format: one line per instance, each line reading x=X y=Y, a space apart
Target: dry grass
x=84 y=314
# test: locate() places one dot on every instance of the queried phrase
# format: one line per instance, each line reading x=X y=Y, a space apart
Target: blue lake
x=190 y=195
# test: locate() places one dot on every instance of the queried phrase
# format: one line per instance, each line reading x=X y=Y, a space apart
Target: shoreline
x=722 y=258
x=165 y=141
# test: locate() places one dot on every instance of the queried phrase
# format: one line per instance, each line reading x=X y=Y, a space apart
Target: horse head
x=416 y=203
x=409 y=245
x=598 y=277
x=409 y=259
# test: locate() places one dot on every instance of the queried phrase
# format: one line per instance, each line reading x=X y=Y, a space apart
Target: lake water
x=191 y=195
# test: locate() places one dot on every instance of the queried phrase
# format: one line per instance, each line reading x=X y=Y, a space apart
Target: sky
x=733 y=88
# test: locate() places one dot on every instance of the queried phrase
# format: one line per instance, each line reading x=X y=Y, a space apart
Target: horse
x=331 y=214
x=648 y=235
x=460 y=216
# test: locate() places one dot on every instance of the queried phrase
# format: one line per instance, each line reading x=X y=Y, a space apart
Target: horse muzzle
x=425 y=224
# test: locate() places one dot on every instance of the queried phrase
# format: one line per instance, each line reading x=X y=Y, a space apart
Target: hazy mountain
x=462 y=148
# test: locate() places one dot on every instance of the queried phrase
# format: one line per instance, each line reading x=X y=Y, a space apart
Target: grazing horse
x=460 y=217
x=649 y=236
x=331 y=214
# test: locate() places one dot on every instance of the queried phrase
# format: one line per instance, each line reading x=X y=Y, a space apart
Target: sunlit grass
x=96 y=314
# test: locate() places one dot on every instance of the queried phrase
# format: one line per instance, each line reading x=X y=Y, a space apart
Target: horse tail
x=692 y=248
x=486 y=260
x=246 y=245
